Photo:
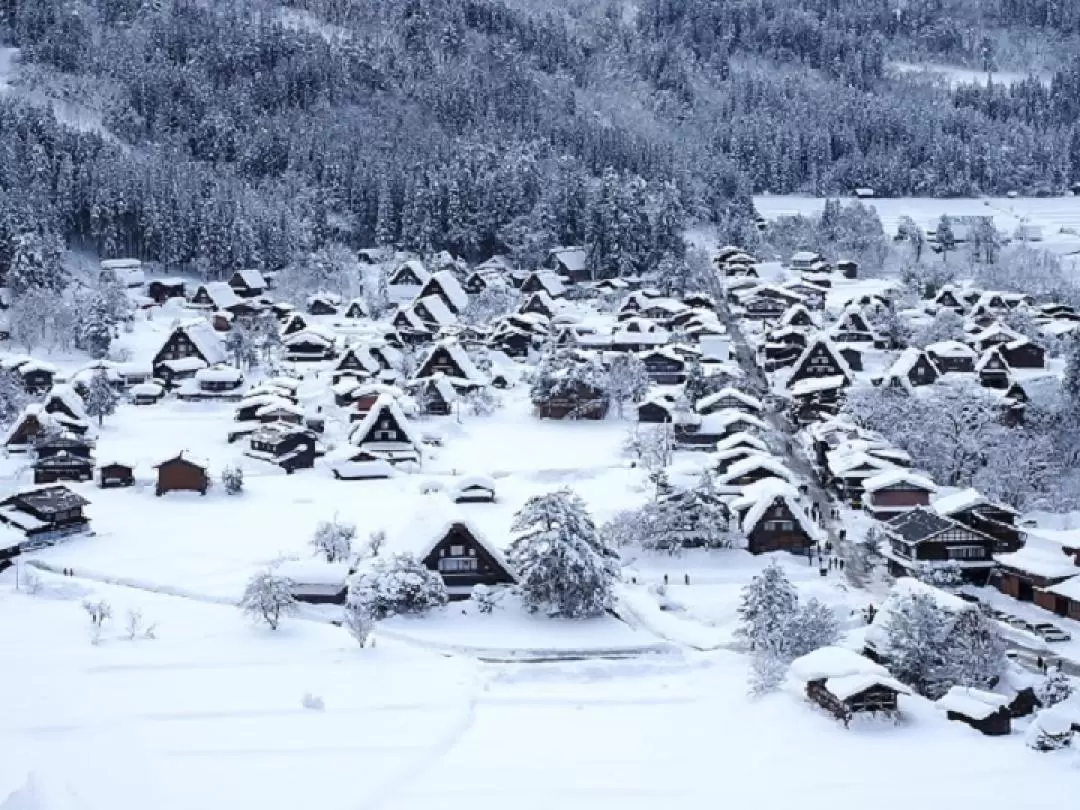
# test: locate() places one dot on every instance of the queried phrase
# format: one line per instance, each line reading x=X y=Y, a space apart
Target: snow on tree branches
x=268 y=598
x=399 y=584
x=564 y=566
x=334 y=539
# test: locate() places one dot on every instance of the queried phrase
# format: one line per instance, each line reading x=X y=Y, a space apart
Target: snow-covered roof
x=845 y=672
x=957 y=501
x=720 y=421
x=309 y=335
x=891 y=478
x=551 y=283
x=430 y=522
x=37 y=365
x=461 y=359
x=843 y=461
x=389 y=404
x=572 y=258
x=758 y=461
x=974 y=703
x=995 y=329
x=147 y=389
x=314 y=572
x=728 y=392
x=205 y=340
x=805 y=257
x=758 y=497
x=812 y=385
x=70 y=398
x=120 y=264
x=221 y=294
x=279 y=405
x=469 y=482
x=952 y=348
x=184 y=455
x=1042 y=561
x=440 y=313
x=181 y=364
x=449 y=284
x=416 y=266
x=741 y=439
x=252 y=278
x=1070 y=589
x=226 y=374
x=905 y=362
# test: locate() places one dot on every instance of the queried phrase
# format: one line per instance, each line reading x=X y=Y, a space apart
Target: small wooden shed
x=116 y=474
x=182 y=473
x=987 y=712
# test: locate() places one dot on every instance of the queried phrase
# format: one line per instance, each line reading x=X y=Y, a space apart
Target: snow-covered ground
x=952 y=75
x=1058 y=217
x=211 y=714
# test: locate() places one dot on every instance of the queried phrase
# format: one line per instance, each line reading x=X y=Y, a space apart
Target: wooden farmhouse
x=63 y=458
x=664 y=366
x=356 y=464
x=431 y=312
x=986 y=712
x=983 y=515
x=191 y=341
x=892 y=492
x=568 y=262
x=919 y=539
x=309 y=346
x=435 y=395
x=993 y=371
x=444 y=285
x=32 y=423
x=445 y=541
x=357 y=309
x=161 y=290
x=37 y=377
x=386 y=433
x=847 y=684
x=475 y=283
x=657 y=410
x=248 y=283
x=323 y=304
x=952 y=356
x=821 y=359
x=772 y=518
x=222 y=383
x=45 y=515
x=729 y=398
x=911 y=369
x=408 y=277
x=754 y=468
x=539 y=303
x=450 y=359
x=290 y=447
x=1023 y=353
x=294 y=322
x=182 y=473
x=947 y=298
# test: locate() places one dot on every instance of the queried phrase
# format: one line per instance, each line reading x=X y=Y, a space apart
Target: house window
x=453 y=565
x=779 y=525
x=966 y=553
x=457 y=551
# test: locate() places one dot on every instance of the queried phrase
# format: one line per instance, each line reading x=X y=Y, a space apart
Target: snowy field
x=1058 y=217
x=953 y=76
x=210 y=714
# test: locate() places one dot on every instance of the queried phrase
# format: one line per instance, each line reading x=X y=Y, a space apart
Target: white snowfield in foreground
x=211 y=715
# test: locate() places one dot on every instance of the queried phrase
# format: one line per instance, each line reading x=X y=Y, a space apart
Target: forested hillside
x=249 y=133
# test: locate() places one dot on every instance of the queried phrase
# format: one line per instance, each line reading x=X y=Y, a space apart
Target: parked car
x=1050 y=632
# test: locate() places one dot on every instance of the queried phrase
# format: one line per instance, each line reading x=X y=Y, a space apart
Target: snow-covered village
x=473 y=509
x=540 y=404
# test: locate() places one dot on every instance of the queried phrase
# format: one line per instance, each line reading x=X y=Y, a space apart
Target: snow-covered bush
x=483 y=597
x=946 y=576
x=267 y=598
x=564 y=567
x=1055 y=688
x=312 y=702
x=232 y=478
x=399 y=584
x=1050 y=731
x=99 y=612
x=482 y=402
x=358 y=619
x=333 y=539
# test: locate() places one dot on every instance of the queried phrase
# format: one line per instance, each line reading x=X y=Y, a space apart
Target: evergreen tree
x=1055 y=688
x=97 y=326
x=812 y=627
x=766 y=607
x=946 y=239
x=974 y=652
x=916 y=634
x=627 y=380
x=564 y=567
x=101 y=397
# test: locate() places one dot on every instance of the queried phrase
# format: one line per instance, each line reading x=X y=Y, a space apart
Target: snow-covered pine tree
x=398 y=584
x=12 y=396
x=627 y=380
x=915 y=642
x=268 y=598
x=812 y=627
x=232 y=478
x=333 y=539
x=946 y=238
x=1055 y=688
x=97 y=323
x=974 y=652
x=564 y=566
x=766 y=608
x=101 y=397
x=1050 y=731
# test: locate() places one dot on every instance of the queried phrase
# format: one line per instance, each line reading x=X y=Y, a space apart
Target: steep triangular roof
x=385 y=405
x=467 y=370
x=446 y=286
x=818 y=344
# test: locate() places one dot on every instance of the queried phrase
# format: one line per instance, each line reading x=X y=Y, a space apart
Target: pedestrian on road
x=840 y=562
x=686 y=579
x=665 y=579
x=1041 y=664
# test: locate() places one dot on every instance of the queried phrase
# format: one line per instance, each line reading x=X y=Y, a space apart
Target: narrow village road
x=785 y=429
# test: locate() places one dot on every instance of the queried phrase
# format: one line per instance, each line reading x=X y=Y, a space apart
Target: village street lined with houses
x=387 y=546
